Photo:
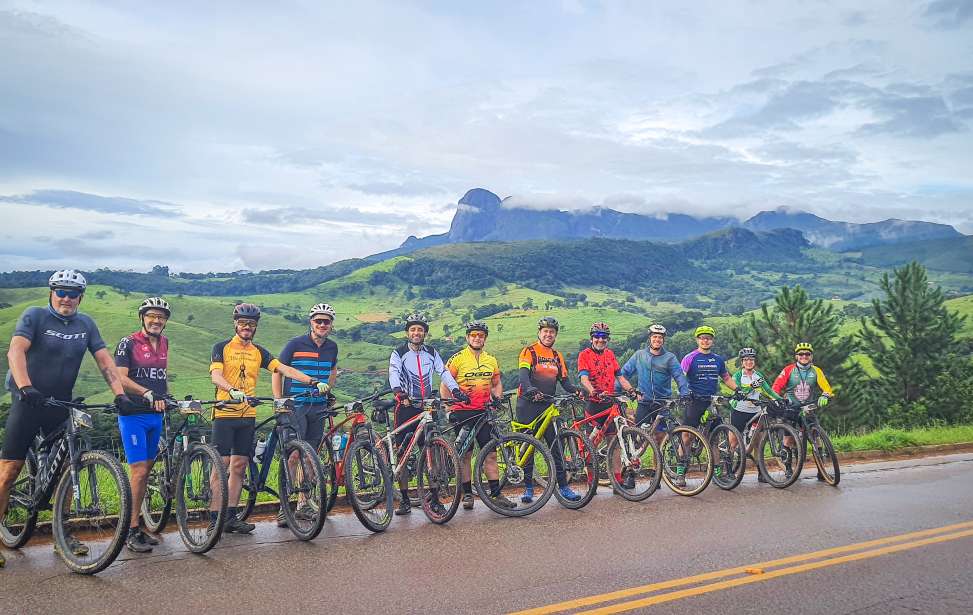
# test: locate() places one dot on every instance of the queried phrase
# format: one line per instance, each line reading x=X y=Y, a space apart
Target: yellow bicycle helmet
x=803 y=346
x=704 y=330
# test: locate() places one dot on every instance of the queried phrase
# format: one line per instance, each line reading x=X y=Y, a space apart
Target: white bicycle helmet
x=321 y=308
x=657 y=329
x=67 y=278
x=157 y=303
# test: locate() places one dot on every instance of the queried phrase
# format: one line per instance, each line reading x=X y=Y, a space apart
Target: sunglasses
x=804 y=354
x=321 y=321
x=247 y=323
x=600 y=336
x=70 y=294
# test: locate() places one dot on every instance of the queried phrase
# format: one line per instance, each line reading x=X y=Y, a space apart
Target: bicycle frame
x=69 y=447
x=423 y=419
x=613 y=415
x=282 y=432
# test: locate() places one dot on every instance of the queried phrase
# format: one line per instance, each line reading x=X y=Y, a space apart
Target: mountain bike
x=91 y=493
x=727 y=445
x=569 y=449
x=367 y=475
x=436 y=467
x=766 y=439
x=687 y=459
x=631 y=454
x=813 y=434
x=302 y=486
x=182 y=472
x=511 y=452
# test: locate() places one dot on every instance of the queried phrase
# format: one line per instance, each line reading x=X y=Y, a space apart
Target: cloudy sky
x=218 y=136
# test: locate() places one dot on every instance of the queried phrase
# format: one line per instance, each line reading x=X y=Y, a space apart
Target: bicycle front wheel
x=438 y=481
x=329 y=466
x=779 y=457
x=824 y=456
x=17 y=525
x=368 y=482
x=687 y=461
x=580 y=467
x=303 y=489
x=248 y=490
x=636 y=473
x=506 y=467
x=729 y=460
x=156 y=504
x=91 y=517
x=201 y=494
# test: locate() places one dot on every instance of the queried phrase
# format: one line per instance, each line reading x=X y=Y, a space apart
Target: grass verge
x=889 y=439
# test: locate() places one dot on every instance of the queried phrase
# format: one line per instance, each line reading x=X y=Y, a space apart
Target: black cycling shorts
x=24 y=422
x=234 y=436
x=469 y=418
x=695 y=410
x=646 y=412
x=309 y=424
x=597 y=407
x=741 y=419
x=402 y=415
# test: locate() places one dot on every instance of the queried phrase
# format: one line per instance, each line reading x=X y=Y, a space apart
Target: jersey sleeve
x=27 y=324
x=526 y=359
x=216 y=360
x=687 y=362
x=679 y=375
x=780 y=383
x=629 y=369
x=123 y=355
x=444 y=374
x=451 y=365
x=95 y=341
x=563 y=374
x=823 y=383
x=723 y=372
x=584 y=364
x=267 y=360
x=287 y=354
x=496 y=372
x=395 y=369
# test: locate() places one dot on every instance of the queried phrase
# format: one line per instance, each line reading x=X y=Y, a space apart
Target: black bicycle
x=726 y=444
x=812 y=433
x=91 y=493
x=302 y=485
x=687 y=459
x=183 y=473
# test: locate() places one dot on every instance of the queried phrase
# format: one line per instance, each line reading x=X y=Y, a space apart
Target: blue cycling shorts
x=140 y=436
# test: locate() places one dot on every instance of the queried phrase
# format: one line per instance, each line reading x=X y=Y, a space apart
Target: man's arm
x=444 y=374
x=277 y=384
x=675 y=368
x=292 y=373
x=108 y=371
x=219 y=381
x=17 y=360
x=131 y=386
x=729 y=381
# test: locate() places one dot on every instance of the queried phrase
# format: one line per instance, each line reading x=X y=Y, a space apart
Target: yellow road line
x=781 y=572
x=718 y=574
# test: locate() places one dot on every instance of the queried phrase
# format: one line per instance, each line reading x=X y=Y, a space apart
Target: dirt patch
x=373 y=317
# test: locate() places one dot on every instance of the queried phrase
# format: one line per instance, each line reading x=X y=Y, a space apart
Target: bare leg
x=9 y=469
x=140 y=474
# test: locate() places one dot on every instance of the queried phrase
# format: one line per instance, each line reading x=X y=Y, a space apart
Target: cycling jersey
x=146 y=366
x=655 y=373
x=411 y=371
x=546 y=366
x=799 y=382
x=303 y=354
x=704 y=371
x=601 y=368
x=475 y=375
x=240 y=364
x=57 y=347
x=744 y=381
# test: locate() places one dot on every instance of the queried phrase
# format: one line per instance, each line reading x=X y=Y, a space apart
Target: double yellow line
x=755 y=573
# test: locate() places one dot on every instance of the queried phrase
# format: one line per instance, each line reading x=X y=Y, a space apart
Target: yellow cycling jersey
x=240 y=364
x=475 y=375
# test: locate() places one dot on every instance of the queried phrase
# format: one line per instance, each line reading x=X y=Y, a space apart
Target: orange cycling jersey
x=475 y=375
x=546 y=366
x=240 y=364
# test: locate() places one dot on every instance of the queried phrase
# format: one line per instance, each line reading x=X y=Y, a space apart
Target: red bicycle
x=631 y=455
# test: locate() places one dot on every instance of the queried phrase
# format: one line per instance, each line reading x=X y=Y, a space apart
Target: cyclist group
x=49 y=343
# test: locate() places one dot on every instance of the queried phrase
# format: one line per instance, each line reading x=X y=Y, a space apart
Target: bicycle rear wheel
x=775 y=460
x=438 y=481
x=303 y=490
x=639 y=459
x=687 y=461
x=580 y=467
x=368 y=482
x=515 y=454
x=18 y=523
x=824 y=455
x=730 y=462
x=201 y=495
x=330 y=468
x=248 y=490
x=156 y=505
x=90 y=524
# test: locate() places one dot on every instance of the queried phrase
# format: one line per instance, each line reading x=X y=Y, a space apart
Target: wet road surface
x=482 y=563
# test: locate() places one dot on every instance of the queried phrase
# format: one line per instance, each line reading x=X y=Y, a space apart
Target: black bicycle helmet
x=548 y=322
x=246 y=310
x=477 y=325
x=416 y=318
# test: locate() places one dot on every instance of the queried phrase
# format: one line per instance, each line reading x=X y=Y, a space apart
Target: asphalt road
x=482 y=563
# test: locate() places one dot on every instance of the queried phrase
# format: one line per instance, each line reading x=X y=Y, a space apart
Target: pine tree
x=910 y=338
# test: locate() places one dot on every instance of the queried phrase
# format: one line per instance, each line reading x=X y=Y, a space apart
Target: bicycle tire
x=64 y=495
x=824 y=456
x=779 y=456
x=330 y=468
x=438 y=477
x=248 y=490
x=730 y=462
x=209 y=463
x=675 y=455
x=24 y=515
x=579 y=460
x=512 y=474
x=310 y=484
x=642 y=451
x=367 y=474
x=156 y=505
